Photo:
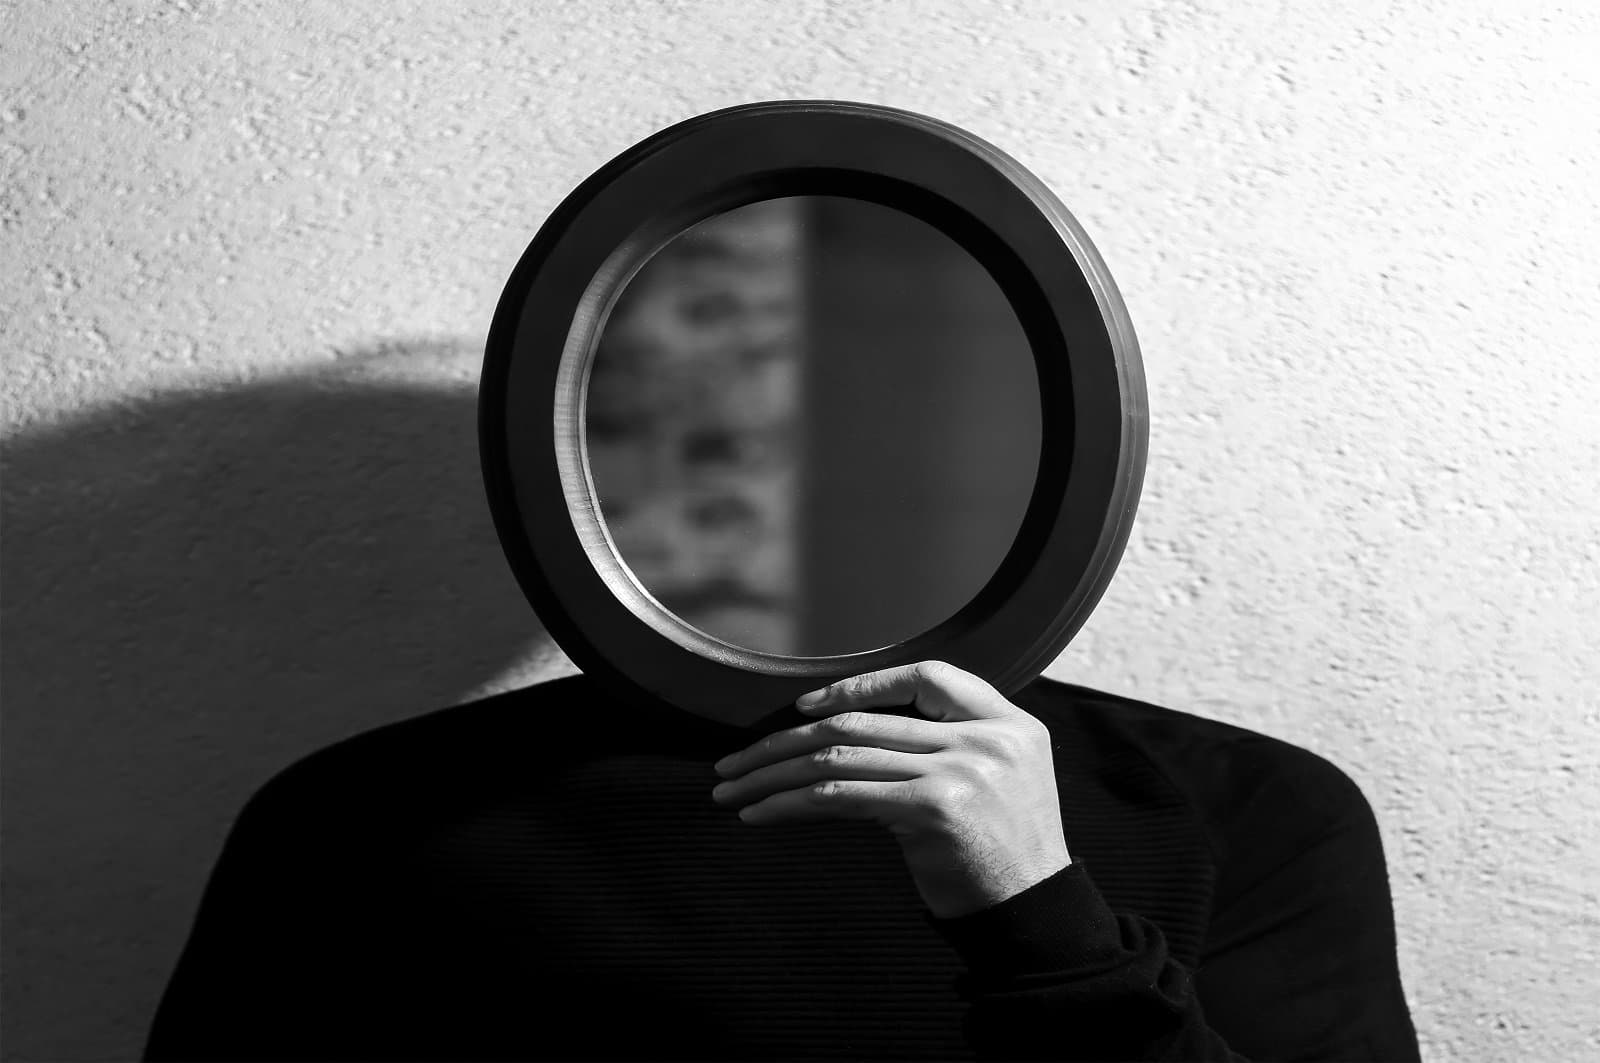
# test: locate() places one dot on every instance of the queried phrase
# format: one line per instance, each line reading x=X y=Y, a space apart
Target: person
x=903 y=865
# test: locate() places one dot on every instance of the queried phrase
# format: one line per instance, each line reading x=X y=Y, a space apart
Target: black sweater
x=543 y=874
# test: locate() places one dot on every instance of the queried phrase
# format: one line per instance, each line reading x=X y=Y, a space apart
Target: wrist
x=962 y=888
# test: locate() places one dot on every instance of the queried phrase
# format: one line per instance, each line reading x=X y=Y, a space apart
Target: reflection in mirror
x=812 y=425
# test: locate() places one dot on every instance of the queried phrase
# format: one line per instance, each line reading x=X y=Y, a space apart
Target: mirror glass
x=812 y=425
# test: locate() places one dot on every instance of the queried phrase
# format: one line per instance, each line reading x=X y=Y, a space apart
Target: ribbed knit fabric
x=544 y=875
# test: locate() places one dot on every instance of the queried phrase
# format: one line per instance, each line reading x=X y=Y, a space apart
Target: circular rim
x=1094 y=420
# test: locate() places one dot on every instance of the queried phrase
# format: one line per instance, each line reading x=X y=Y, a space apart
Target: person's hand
x=969 y=792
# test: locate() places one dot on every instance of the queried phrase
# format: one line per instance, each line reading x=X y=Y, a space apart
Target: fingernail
x=721 y=766
x=811 y=700
x=718 y=791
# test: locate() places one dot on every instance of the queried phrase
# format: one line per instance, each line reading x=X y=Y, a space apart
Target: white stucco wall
x=248 y=254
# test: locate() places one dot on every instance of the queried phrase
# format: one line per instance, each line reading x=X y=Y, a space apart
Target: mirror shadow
x=200 y=588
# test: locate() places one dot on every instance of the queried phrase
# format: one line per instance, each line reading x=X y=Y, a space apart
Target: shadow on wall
x=199 y=589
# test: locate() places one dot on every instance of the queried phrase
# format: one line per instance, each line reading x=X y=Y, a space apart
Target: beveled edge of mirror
x=709 y=676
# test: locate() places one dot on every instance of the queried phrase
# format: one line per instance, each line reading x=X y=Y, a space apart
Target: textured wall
x=248 y=253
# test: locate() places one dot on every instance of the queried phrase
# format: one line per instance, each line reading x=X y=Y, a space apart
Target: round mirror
x=812 y=426
x=799 y=390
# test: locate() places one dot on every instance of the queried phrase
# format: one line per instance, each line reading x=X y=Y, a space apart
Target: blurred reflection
x=813 y=426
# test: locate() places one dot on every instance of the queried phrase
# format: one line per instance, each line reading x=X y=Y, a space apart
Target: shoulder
x=1234 y=778
x=415 y=761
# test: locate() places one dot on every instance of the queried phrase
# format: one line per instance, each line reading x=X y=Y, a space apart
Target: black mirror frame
x=541 y=343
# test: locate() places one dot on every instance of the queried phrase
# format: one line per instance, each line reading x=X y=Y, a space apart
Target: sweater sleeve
x=1053 y=973
x=1300 y=957
x=1299 y=961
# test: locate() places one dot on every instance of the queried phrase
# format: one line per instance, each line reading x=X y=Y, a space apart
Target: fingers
x=939 y=691
x=898 y=733
x=889 y=803
x=854 y=763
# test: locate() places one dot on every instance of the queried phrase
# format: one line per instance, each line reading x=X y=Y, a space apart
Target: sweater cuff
x=1060 y=924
